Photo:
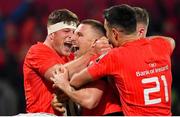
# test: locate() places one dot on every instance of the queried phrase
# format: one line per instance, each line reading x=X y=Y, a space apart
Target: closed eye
x=66 y=30
x=79 y=34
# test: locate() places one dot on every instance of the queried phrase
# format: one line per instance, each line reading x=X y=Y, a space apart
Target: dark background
x=23 y=23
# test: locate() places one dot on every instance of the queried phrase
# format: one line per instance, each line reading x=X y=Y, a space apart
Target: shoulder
x=38 y=49
x=116 y=52
x=108 y=57
x=170 y=41
x=39 y=53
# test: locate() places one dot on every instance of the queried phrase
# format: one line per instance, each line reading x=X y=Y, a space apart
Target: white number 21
x=147 y=91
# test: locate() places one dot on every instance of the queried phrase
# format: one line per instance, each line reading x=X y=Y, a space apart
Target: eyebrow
x=79 y=34
x=66 y=29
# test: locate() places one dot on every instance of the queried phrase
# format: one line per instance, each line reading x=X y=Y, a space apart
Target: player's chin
x=66 y=50
x=67 y=53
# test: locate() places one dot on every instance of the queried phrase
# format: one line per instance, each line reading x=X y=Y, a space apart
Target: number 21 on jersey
x=147 y=91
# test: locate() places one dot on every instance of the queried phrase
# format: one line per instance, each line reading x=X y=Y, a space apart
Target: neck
x=48 y=43
x=127 y=38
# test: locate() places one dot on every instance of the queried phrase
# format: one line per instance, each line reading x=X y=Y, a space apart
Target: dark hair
x=98 y=26
x=62 y=15
x=142 y=15
x=122 y=17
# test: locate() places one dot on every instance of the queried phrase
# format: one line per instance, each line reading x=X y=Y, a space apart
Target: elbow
x=89 y=104
x=74 y=84
x=92 y=105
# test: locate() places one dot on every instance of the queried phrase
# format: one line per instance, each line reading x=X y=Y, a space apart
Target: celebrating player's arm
x=81 y=78
x=168 y=39
x=89 y=96
x=99 y=46
x=88 y=99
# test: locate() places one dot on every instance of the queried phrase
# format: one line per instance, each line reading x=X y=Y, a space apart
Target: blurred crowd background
x=23 y=23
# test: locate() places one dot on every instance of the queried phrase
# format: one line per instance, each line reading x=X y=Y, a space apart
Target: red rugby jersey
x=38 y=91
x=109 y=102
x=142 y=73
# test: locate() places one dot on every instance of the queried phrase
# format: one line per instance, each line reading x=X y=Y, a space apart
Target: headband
x=59 y=26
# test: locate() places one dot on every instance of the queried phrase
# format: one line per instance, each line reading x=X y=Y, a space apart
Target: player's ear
x=141 y=31
x=51 y=36
x=115 y=34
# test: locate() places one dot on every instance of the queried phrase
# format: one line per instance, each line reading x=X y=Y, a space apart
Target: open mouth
x=68 y=44
x=74 y=48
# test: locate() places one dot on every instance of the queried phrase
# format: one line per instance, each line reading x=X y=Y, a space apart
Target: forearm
x=88 y=97
x=169 y=39
x=79 y=96
x=80 y=79
x=77 y=65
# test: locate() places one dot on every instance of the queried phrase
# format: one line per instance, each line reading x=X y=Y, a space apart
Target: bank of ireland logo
x=152 y=64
